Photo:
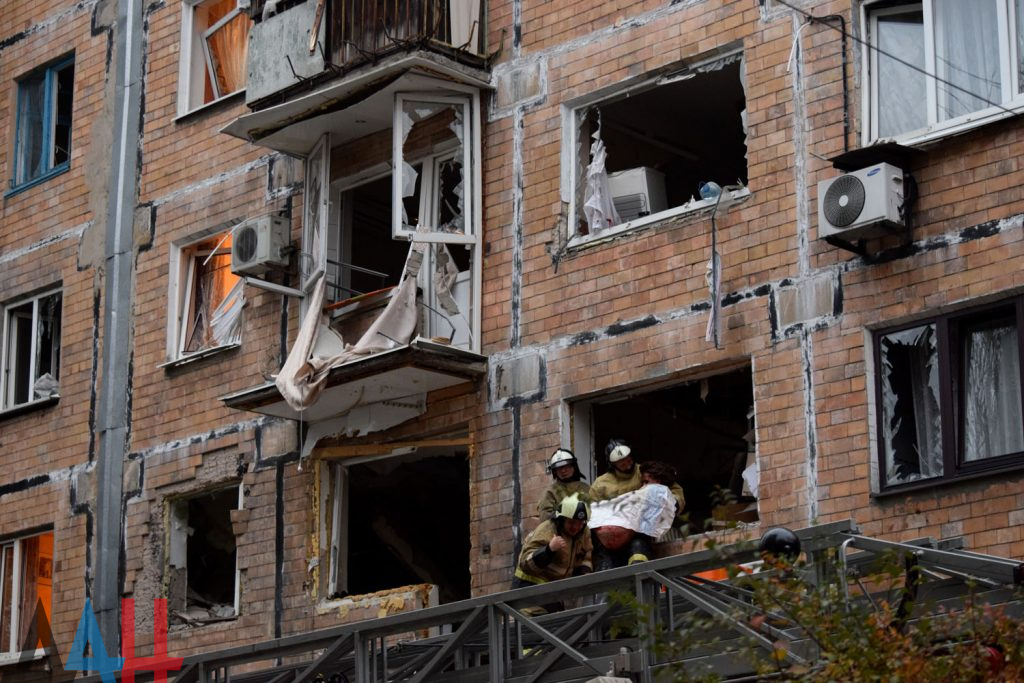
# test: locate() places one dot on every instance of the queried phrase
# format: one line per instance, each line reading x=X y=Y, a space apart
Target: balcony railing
x=364 y=30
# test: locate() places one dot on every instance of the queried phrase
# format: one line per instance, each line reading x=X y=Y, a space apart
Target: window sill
x=38 y=180
x=968 y=123
x=8 y=658
x=690 y=208
x=198 y=356
x=931 y=484
x=29 y=407
x=185 y=117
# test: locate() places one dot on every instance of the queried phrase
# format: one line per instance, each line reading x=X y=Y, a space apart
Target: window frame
x=20 y=180
x=13 y=647
x=469 y=103
x=950 y=393
x=180 y=288
x=934 y=128
x=571 y=179
x=195 y=60
x=6 y=399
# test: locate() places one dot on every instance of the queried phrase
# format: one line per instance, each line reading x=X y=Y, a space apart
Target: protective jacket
x=539 y=564
x=614 y=483
x=556 y=492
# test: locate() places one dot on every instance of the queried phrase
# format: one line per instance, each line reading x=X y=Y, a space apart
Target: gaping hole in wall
x=202 y=577
x=402 y=520
x=663 y=142
x=703 y=428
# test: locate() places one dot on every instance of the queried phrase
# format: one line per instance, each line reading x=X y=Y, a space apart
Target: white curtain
x=967 y=56
x=597 y=202
x=992 y=405
x=901 y=90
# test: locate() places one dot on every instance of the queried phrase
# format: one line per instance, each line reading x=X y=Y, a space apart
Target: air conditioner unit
x=637 y=192
x=861 y=204
x=258 y=244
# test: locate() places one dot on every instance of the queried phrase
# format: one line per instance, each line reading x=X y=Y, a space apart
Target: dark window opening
x=407 y=524
x=664 y=142
x=703 y=428
x=202 y=582
x=33 y=350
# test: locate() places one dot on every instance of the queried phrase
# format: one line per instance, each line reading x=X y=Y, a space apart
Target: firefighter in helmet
x=559 y=548
x=565 y=472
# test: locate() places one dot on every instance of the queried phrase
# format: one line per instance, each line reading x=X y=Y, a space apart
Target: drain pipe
x=112 y=411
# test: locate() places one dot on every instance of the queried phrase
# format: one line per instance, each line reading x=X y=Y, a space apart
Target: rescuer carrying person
x=565 y=471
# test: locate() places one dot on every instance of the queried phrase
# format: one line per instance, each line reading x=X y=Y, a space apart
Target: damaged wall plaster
x=519 y=84
x=516 y=379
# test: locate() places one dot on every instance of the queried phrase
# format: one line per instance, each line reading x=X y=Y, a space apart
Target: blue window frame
x=42 y=144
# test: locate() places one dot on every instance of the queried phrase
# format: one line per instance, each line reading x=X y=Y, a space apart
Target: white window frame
x=935 y=129
x=13 y=646
x=7 y=388
x=570 y=151
x=179 y=295
x=469 y=103
x=195 y=59
x=315 y=216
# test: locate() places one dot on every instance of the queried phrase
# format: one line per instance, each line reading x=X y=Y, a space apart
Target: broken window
x=975 y=76
x=210 y=297
x=401 y=520
x=31 y=350
x=648 y=148
x=950 y=395
x=703 y=428
x=26 y=584
x=434 y=126
x=43 y=138
x=214 y=45
x=202 y=582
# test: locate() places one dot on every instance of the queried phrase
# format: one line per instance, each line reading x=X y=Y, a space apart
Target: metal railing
x=502 y=637
x=364 y=30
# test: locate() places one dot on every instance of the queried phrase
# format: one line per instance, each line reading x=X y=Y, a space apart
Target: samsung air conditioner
x=259 y=244
x=637 y=192
x=862 y=204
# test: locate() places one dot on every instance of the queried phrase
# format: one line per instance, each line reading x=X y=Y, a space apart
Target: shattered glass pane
x=992 y=420
x=215 y=302
x=911 y=426
x=429 y=128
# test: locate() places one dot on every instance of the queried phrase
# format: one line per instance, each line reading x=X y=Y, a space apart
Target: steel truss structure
x=502 y=637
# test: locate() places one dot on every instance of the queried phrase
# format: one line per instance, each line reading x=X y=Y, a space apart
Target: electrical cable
x=914 y=67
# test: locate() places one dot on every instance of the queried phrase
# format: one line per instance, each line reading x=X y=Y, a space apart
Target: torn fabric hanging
x=597 y=202
x=302 y=378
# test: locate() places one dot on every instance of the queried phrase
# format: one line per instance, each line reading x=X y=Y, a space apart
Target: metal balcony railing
x=500 y=638
x=364 y=30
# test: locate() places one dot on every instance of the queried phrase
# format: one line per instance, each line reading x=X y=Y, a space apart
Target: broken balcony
x=338 y=50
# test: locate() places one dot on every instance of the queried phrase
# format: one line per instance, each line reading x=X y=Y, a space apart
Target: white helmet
x=617 y=450
x=563 y=456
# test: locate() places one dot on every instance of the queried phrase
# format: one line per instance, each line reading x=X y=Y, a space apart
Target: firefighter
x=558 y=548
x=623 y=476
x=565 y=472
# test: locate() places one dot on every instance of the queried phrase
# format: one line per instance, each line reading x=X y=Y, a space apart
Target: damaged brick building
x=803 y=289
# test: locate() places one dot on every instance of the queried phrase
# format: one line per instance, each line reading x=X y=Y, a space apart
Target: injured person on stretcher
x=624 y=527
